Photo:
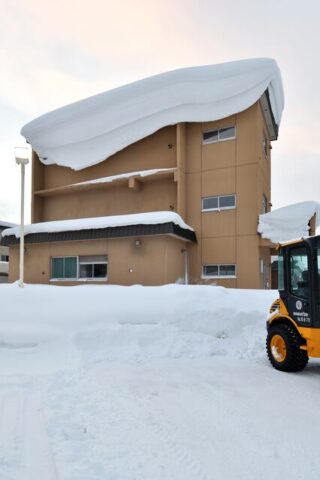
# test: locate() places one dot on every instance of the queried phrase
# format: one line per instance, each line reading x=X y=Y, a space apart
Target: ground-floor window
x=93 y=267
x=88 y=267
x=219 y=271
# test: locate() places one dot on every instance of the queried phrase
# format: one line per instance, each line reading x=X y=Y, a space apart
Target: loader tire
x=283 y=349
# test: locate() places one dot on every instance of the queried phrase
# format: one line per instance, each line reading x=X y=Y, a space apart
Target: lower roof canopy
x=168 y=228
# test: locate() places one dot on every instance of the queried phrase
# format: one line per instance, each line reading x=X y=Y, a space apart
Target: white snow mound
x=288 y=223
x=91 y=130
x=48 y=328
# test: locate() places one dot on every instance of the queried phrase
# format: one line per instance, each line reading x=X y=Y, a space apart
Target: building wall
x=156 y=195
x=157 y=261
x=156 y=151
x=238 y=166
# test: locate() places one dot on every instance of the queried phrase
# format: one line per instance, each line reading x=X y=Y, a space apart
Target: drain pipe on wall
x=186 y=272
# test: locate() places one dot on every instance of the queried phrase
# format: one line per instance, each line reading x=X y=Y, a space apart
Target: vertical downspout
x=186 y=265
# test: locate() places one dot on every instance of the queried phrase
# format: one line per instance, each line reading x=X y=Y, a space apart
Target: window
x=219 y=135
x=222 y=202
x=64 y=268
x=264 y=204
x=4 y=258
x=93 y=267
x=299 y=272
x=79 y=268
x=216 y=271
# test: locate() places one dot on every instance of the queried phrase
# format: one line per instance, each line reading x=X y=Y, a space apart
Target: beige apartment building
x=186 y=196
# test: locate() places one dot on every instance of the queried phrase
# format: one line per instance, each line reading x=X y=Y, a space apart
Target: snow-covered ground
x=149 y=383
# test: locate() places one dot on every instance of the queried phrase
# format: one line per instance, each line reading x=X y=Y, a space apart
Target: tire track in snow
x=11 y=404
x=180 y=457
x=36 y=456
x=175 y=447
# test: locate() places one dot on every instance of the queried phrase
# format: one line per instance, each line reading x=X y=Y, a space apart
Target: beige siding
x=157 y=261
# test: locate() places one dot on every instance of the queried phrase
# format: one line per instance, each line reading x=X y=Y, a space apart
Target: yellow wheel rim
x=278 y=348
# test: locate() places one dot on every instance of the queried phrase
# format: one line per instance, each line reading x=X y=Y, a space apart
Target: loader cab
x=298 y=277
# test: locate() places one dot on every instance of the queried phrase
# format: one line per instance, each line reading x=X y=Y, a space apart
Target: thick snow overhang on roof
x=116 y=226
x=89 y=131
x=288 y=223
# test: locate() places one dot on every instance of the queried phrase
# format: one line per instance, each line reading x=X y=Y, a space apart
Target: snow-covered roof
x=288 y=223
x=7 y=224
x=89 y=131
x=148 y=218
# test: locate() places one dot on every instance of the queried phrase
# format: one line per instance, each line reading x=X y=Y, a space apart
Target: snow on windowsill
x=220 y=277
x=81 y=280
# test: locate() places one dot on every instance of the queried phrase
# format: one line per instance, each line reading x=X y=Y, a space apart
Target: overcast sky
x=53 y=52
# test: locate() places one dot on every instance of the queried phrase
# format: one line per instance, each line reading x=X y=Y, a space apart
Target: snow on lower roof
x=149 y=218
x=91 y=130
x=288 y=223
x=141 y=173
x=7 y=224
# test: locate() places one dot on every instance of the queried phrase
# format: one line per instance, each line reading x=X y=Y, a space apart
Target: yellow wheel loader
x=294 y=324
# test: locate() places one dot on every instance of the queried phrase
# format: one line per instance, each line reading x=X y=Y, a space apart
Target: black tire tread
x=296 y=359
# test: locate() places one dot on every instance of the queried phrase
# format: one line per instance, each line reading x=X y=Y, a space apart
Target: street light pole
x=21 y=155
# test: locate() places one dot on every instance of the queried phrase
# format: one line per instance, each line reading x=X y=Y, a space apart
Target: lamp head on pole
x=21 y=155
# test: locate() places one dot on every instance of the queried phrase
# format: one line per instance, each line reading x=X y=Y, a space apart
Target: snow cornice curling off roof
x=87 y=132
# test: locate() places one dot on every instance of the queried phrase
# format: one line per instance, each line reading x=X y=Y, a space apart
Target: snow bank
x=89 y=131
x=288 y=223
x=48 y=328
x=148 y=218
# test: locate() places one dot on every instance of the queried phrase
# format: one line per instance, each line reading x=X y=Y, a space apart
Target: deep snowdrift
x=89 y=131
x=53 y=328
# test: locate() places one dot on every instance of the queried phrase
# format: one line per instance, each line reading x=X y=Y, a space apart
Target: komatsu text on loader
x=294 y=324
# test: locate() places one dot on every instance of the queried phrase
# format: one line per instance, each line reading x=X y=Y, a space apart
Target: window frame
x=219 y=265
x=77 y=278
x=92 y=279
x=57 y=279
x=206 y=142
x=291 y=291
x=218 y=209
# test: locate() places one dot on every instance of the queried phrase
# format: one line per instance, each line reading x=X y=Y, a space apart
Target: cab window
x=299 y=273
x=318 y=264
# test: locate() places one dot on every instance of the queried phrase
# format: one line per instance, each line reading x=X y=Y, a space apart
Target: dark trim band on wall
x=169 y=228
